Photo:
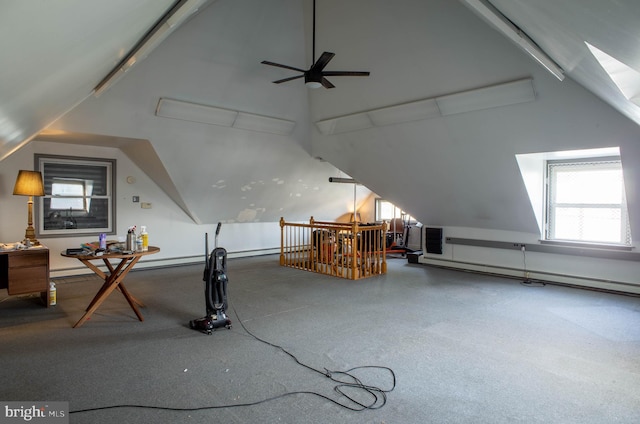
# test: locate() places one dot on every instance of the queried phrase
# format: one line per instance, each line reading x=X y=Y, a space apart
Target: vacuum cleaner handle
x=206 y=251
x=218 y=232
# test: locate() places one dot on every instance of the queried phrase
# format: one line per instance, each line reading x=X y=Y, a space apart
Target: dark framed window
x=79 y=196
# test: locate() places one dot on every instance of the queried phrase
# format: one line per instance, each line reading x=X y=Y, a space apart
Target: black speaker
x=433 y=240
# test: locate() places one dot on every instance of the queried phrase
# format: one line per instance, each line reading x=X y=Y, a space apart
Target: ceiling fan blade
x=287 y=79
x=315 y=73
x=322 y=61
x=345 y=74
x=326 y=83
x=266 y=62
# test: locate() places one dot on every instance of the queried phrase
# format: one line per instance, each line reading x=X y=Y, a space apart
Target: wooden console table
x=25 y=271
x=113 y=279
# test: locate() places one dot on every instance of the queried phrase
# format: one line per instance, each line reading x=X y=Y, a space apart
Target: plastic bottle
x=52 y=293
x=145 y=238
x=131 y=239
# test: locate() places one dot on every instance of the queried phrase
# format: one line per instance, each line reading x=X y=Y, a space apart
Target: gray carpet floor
x=463 y=348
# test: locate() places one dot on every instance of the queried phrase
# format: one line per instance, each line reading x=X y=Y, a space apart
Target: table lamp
x=29 y=183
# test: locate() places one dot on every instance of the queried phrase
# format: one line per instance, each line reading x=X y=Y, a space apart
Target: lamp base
x=30 y=233
x=30 y=243
x=30 y=237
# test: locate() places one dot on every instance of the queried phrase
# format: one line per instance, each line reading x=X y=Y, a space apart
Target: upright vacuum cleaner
x=215 y=290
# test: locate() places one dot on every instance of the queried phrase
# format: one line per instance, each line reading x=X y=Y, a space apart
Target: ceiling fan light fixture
x=312 y=82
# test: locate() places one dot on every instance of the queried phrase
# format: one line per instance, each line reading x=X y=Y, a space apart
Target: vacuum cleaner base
x=209 y=324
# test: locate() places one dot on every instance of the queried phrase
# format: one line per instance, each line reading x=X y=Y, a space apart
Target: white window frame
x=382 y=204
x=79 y=203
x=582 y=209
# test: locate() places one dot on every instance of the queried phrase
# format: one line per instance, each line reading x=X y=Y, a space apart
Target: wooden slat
x=345 y=250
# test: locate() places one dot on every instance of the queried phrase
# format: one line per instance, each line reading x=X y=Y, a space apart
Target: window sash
x=586 y=202
x=79 y=196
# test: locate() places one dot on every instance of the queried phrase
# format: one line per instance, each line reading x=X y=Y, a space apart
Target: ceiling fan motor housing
x=313 y=79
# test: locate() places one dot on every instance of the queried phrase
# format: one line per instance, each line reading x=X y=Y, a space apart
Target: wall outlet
x=135 y=199
x=145 y=205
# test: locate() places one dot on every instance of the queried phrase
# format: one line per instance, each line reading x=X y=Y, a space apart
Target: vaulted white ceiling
x=457 y=169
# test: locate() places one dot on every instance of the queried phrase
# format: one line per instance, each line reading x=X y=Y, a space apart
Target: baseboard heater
x=574 y=281
x=593 y=252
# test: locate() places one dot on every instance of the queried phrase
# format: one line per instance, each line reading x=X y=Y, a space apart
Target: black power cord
x=527 y=282
x=346 y=381
x=378 y=395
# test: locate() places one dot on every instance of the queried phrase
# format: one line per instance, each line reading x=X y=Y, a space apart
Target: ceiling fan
x=314 y=77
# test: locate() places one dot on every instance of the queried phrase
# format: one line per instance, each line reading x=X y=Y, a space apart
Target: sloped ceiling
x=450 y=170
x=55 y=53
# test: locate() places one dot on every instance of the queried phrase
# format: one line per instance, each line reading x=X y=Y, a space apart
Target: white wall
x=180 y=240
x=610 y=274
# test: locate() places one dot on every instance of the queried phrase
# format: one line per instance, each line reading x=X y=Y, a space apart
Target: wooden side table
x=113 y=279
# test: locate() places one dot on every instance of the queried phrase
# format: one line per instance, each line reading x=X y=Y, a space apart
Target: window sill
x=586 y=245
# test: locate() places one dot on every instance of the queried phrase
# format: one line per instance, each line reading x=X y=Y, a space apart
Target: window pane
x=62 y=187
x=595 y=225
x=595 y=187
x=586 y=202
x=77 y=219
x=78 y=196
x=68 y=195
x=96 y=174
x=386 y=211
x=67 y=203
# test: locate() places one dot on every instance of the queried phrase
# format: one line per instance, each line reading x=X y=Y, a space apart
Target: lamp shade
x=29 y=183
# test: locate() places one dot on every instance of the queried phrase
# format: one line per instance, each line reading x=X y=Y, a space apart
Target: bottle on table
x=145 y=238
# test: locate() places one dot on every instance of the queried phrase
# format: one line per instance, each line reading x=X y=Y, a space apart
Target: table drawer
x=27 y=280
x=29 y=259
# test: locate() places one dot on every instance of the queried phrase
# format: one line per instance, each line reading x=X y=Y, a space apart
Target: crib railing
x=346 y=250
